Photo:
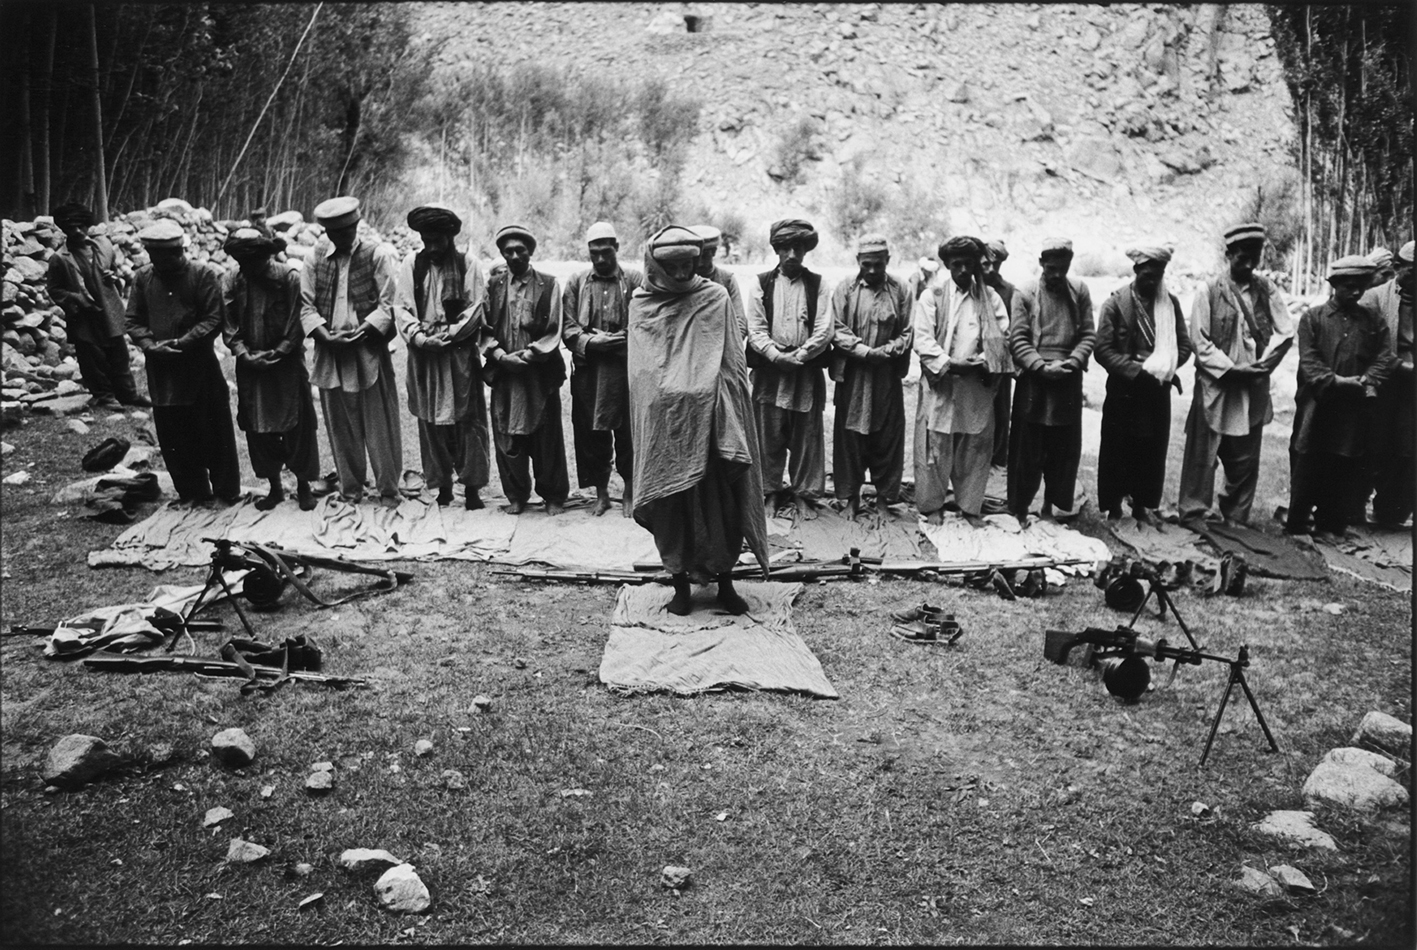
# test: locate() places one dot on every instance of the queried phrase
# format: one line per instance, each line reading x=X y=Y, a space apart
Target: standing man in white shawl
x=438 y=311
x=1241 y=329
x=960 y=326
x=698 y=485
x=1141 y=340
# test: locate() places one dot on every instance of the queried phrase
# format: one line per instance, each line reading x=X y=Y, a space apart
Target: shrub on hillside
x=796 y=145
x=858 y=202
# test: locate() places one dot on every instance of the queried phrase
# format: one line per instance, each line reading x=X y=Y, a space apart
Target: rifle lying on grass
x=256 y=676
x=1122 y=653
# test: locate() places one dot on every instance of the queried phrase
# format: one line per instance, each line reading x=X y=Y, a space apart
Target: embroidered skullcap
x=1056 y=245
x=996 y=251
x=1150 y=252
x=1354 y=265
x=163 y=233
x=1380 y=256
x=248 y=242
x=1405 y=253
x=872 y=244
x=518 y=232
x=601 y=231
x=962 y=246
x=73 y=215
x=336 y=213
x=1249 y=231
x=675 y=243
x=928 y=264
x=709 y=234
x=792 y=231
x=434 y=218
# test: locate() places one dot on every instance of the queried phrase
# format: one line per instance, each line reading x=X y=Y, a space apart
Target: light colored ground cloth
x=832 y=534
x=1165 y=542
x=1001 y=539
x=652 y=650
x=1376 y=555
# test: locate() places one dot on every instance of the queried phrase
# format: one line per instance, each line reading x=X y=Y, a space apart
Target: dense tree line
x=1348 y=69
x=228 y=105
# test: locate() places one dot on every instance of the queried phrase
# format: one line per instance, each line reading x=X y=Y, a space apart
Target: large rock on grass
x=364 y=859
x=1385 y=732
x=401 y=890
x=233 y=748
x=76 y=760
x=1356 y=779
x=1295 y=827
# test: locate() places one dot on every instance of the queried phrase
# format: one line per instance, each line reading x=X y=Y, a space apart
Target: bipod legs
x=1237 y=675
x=1163 y=603
x=213 y=575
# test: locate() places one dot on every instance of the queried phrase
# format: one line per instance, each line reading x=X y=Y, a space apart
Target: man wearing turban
x=438 y=311
x=789 y=336
x=174 y=317
x=712 y=237
x=525 y=370
x=995 y=253
x=871 y=317
x=84 y=284
x=698 y=487
x=1345 y=355
x=1241 y=330
x=265 y=336
x=960 y=327
x=1141 y=340
x=1390 y=442
x=347 y=307
x=1051 y=336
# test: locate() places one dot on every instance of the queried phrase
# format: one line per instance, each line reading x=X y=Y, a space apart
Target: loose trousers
x=542 y=450
x=1002 y=403
x=1205 y=448
x=361 y=423
x=1136 y=431
x=943 y=459
x=457 y=450
x=596 y=448
x=699 y=531
x=105 y=369
x=1047 y=455
x=882 y=452
x=298 y=448
x=803 y=435
x=1324 y=484
x=198 y=445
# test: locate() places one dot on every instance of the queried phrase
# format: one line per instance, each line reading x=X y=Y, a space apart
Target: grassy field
x=977 y=794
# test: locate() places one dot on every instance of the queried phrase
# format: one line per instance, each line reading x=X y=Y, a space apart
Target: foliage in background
x=1348 y=69
x=796 y=145
x=1277 y=205
x=181 y=87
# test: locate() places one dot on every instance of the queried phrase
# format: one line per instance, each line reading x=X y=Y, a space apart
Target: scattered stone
x=519 y=663
x=304 y=870
x=674 y=877
x=61 y=405
x=311 y=901
x=1258 y=883
x=17 y=478
x=1295 y=827
x=482 y=703
x=1200 y=809
x=77 y=427
x=1356 y=779
x=363 y=859
x=1388 y=733
x=960 y=93
x=233 y=748
x=76 y=760
x=319 y=783
x=422 y=748
x=160 y=753
x=454 y=779
x=323 y=767
x=575 y=792
x=267 y=791
x=1292 y=879
x=6 y=448
x=138 y=415
x=67 y=387
x=400 y=890
x=244 y=852
x=216 y=816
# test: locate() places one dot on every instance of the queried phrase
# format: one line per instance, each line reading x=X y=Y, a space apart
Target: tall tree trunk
x=100 y=173
x=25 y=186
x=42 y=161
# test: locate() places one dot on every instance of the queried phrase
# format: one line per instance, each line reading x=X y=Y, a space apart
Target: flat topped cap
x=709 y=234
x=338 y=212
x=163 y=233
x=872 y=244
x=1405 y=253
x=601 y=231
x=1056 y=245
x=1155 y=251
x=1354 y=265
x=1249 y=231
x=675 y=243
x=518 y=232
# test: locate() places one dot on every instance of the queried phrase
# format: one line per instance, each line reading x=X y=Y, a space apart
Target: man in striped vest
x=347 y=307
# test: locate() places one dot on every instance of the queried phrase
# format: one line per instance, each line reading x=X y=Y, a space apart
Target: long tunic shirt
x=592 y=304
x=82 y=282
x=185 y=309
x=1046 y=325
x=441 y=383
x=1334 y=342
x=794 y=388
x=1223 y=339
x=350 y=368
x=958 y=403
x=519 y=396
x=863 y=318
x=263 y=316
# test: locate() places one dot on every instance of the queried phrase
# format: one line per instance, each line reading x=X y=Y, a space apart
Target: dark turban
x=790 y=231
x=73 y=215
x=248 y=242
x=963 y=246
x=434 y=219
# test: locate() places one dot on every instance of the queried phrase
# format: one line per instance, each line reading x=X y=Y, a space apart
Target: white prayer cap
x=601 y=231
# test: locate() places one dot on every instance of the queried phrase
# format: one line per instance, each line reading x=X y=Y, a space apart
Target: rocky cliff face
x=1101 y=123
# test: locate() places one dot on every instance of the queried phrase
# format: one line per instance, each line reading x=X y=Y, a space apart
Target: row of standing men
x=974 y=333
